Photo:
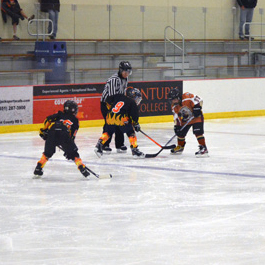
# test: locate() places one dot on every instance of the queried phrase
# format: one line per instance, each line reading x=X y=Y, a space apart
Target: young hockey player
x=184 y=107
x=124 y=114
x=115 y=85
x=60 y=130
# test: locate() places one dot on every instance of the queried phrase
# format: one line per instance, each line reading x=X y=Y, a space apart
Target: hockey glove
x=44 y=134
x=184 y=113
x=67 y=156
x=177 y=129
x=137 y=127
x=197 y=110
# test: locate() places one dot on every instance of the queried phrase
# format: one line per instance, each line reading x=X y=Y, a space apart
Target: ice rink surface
x=168 y=210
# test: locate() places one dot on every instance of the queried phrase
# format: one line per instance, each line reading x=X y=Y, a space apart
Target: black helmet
x=134 y=93
x=70 y=106
x=174 y=93
x=125 y=66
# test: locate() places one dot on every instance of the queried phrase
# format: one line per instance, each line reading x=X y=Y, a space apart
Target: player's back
x=65 y=121
x=121 y=110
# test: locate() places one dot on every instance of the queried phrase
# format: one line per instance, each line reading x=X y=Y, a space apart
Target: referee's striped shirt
x=115 y=85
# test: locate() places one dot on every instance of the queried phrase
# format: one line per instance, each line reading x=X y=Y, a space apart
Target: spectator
x=52 y=7
x=246 y=15
x=12 y=9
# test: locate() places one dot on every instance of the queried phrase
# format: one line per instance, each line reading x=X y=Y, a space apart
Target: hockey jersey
x=66 y=121
x=122 y=110
x=184 y=111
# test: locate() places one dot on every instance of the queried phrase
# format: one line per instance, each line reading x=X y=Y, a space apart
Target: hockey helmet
x=70 y=106
x=175 y=93
x=134 y=93
x=125 y=66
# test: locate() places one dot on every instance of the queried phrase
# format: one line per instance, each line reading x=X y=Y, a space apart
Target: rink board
x=222 y=99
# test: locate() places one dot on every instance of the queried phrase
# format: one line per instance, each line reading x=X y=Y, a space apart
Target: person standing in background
x=246 y=15
x=52 y=7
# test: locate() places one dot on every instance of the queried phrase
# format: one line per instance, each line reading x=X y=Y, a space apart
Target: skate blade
x=178 y=154
x=36 y=177
x=121 y=151
x=202 y=156
x=139 y=157
x=99 y=155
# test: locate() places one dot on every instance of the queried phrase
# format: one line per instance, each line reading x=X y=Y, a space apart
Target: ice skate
x=137 y=153
x=203 y=151
x=99 y=149
x=84 y=170
x=106 y=149
x=177 y=150
x=122 y=149
x=38 y=172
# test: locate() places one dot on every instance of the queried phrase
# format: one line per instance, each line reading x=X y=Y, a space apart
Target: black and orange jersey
x=122 y=110
x=188 y=102
x=65 y=120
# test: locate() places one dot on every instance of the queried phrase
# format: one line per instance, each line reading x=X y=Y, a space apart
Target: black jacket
x=11 y=10
x=247 y=3
x=46 y=5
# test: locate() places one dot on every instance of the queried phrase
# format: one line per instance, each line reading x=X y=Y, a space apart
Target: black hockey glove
x=67 y=156
x=177 y=129
x=44 y=134
x=137 y=127
x=197 y=111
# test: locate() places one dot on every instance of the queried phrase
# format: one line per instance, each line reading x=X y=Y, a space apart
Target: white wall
x=91 y=19
x=229 y=95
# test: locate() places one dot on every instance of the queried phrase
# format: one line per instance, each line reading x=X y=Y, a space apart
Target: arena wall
x=127 y=21
x=24 y=108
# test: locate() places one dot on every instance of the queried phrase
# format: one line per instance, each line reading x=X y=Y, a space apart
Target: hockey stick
x=108 y=176
x=156 y=154
x=163 y=147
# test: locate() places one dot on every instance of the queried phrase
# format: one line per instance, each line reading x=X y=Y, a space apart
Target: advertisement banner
x=154 y=97
x=50 y=99
x=16 y=105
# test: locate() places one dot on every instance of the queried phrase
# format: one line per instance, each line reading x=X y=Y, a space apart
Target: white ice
x=173 y=210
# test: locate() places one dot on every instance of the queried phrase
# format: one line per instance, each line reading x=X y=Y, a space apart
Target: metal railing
x=250 y=36
x=43 y=25
x=175 y=45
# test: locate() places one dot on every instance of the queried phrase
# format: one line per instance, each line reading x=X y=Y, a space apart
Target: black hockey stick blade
x=169 y=146
x=153 y=155
x=156 y=154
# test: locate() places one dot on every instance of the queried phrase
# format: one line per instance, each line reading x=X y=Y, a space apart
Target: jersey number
x=67 y=123
x=118 y=106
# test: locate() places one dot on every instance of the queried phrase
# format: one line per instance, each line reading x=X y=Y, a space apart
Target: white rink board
x=228 y=95
x=16 y=105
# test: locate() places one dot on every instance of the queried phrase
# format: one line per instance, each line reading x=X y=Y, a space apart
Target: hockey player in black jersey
x=122 y=113
x=60 y=130
x=115 y=85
